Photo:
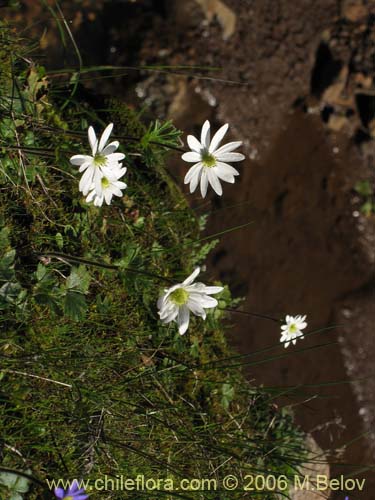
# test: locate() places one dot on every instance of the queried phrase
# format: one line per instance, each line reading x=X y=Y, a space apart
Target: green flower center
x=105 y=182
x=293 y=328
x=68 y=498
x=179 y=296
x=100 y=160
x=208 y=159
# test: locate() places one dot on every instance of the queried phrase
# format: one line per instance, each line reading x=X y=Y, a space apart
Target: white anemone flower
x=107 y=186
x=103 y=158
x=292 y=329
x=210 y=160
x=178 y=301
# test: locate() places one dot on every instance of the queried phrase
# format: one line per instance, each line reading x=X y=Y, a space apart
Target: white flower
x=103 y=159
x=209 y=159
x=107 y=186
x=292 y=329
x=177 y=302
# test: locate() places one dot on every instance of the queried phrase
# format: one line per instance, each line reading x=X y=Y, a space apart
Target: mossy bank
x=92 y=384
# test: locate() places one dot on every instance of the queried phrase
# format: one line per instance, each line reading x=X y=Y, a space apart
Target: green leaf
x=163 y=134
x=79 y=279
x=139 y=222
x=363 y=188
x=4 y=239
x=46 y=291
x=227 y=395
x=6 y=266
x=75 y=305
x=59 y=240
x=368 y=208
x=41 y=272
x=15 y=483
x=15 y=496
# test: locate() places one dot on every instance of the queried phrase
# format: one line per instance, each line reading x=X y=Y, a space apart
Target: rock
x=354 y=10
x=317 y=466
x=337 y=122
x=358 y=346
x=226 y=17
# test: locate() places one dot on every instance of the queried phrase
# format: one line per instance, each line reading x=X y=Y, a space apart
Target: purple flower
x=74 y=492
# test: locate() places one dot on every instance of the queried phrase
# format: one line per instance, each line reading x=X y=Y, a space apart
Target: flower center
x=179 y=296
x=105 y=182
x=100 y=160
x=68 y=498
x=293 y=328
x=208 y=159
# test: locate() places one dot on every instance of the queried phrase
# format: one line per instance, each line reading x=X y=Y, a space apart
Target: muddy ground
x=303 y=102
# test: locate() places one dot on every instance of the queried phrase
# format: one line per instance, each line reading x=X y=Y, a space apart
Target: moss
x=92 y=383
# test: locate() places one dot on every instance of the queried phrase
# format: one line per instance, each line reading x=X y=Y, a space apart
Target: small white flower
x=292 y=329
x=103 y=159
x=178 y=301
x=107 y=186
x=209 y=159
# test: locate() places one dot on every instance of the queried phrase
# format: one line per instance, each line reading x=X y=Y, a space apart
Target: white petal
x=91 y=196
x=161 y=301
x=228 y=147
x=205 y=134
x=110 y=148
x=97 y=179
x=225 y=169
x=85 y=165
x=208 y=302
x=195 y=180
x=183 y=319
x=230 y=156
x=194 y=144
x=217 y=138
x=115 y=157
x=108 y=196
x=213 y=289
x=79 y=159
x=98 y=202
x=168 y=310
x=191 y=156
x=204 y=182
x=214 y=181
x=120 y=185
x=171 y=316
x=196 y=308
x=86 y=181
x=113 y=173
x=105 y=136
x=192 y=171
x=189 y=280
x=116 y=191
x=93 y=141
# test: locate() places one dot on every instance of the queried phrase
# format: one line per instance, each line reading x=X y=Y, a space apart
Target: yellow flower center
x=208 y=159
x=68 y=498
x=105 y=182
x=293 y=328
x=179 y=296
x=100 y=160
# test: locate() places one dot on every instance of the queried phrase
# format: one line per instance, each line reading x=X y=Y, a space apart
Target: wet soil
x=303 y=103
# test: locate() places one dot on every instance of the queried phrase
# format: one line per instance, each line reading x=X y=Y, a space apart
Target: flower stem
x=248 y=313
x=79 y=260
